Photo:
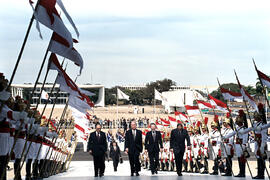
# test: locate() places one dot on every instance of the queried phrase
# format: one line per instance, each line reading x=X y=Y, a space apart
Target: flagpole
x=237 y=132
x=62 y=116
x=117 y=104
x=154 y=105
x=219 y=129
x=196 y=139
x=263 y=87
x=40 y=70
x=23 y=45
x=252 y=123
x=57 y=93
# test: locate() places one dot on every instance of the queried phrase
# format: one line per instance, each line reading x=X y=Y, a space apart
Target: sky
x=126 y=42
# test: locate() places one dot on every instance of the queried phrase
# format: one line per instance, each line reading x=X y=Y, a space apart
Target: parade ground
x=83 y=170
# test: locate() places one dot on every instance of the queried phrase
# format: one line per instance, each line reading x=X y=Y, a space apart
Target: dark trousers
x=261 y=166
x=35 y=169
x=154 y=161
x=115 y=164
x=229 y=165
x=178 y=161
x=134 y=162
x=28 y=167
x=17 y=171
x=242 y=165
x=99 y=164
x=3 y=167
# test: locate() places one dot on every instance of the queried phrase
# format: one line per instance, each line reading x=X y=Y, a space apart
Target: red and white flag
x=159 y=125
x=80 y=124
x=192 y=110
x=174 y=122
x=180 y=116
x=246 y=96
x=61 y=46
x=47 y=14
x=204 y=105
x=217 y=104
x=229 y=95
x=264 y=78
x=77 y=98
x=165 y=122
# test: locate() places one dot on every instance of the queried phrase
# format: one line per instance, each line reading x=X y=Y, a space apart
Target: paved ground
x=84 y=170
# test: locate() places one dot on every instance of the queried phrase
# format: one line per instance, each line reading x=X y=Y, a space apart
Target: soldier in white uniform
x=5 y=119
x=241 y=142
x=260 y=129
x=215 y=140
x=196 y=150
x=31 y=147
x=228 y=148
x=190 y=154
x=203 y=140
x=172 y=165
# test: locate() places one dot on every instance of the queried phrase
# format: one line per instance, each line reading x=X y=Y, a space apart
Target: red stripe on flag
x=79 y=128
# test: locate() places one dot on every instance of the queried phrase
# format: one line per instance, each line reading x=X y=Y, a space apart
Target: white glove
x=4 y=95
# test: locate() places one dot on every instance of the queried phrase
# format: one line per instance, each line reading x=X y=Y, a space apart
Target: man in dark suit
x=152 y=143
x=97 y=146
x=133 y=147
x=177 y=145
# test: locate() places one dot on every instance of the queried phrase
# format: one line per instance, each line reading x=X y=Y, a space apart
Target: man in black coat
x=152 y=143
x=97 y=146
x=177 y=145
x=133 y=147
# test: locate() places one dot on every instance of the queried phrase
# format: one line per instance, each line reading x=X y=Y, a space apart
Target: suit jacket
x=177 y=140
x=115 y=154
x=134 y=147
x=150 y=144
x=98 y=147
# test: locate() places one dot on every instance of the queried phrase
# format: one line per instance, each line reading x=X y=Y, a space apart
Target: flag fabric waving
x=121 y=95
x=180 y=116
x=159 y=96
x=229 y=95
x=264 y=78
x=44 y=95
x=47 y=14
x=204 y=105
x=217 y=104
x=246 y=95
x=61 y=46
x=192 y=110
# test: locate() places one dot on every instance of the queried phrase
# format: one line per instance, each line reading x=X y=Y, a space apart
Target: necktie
x=134 y=134
x=154 y=135
x=98 y=136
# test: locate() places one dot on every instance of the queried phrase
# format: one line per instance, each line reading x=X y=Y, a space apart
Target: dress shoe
x=240 y=175
x=137 y=174
x=179 y=174
x=227 y=174
x=204 y=172
x=156 y=172
x=258 y=177
x=214 y=173
x=101 y=175
x=132 y=174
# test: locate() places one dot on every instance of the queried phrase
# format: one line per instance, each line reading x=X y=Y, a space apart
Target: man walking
x=97 y=146
x=177 y=145
x=133 y=147
x=153 y=144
